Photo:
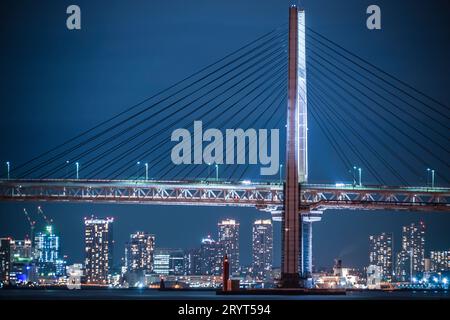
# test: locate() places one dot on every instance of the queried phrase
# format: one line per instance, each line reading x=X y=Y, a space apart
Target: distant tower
x=229 y=242
x=262 y=243
x=381 y=254
x=99 y=249
x=411 y=259
x=210 y=257
x=139 y=252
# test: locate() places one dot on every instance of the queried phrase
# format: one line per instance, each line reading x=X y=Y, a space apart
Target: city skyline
x=400 y=237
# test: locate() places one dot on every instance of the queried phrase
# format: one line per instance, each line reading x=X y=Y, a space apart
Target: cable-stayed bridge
x=373 y=121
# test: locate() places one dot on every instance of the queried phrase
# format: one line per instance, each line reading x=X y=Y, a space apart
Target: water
x=146 y=294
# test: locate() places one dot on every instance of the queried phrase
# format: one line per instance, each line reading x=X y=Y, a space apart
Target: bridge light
x=8 y=167
x=432 y=178
x=77 y=166
x=246 y=182
x=281 y=169
x=146 y=171
x=217 y=172
x=359 y=172
x=138 y=163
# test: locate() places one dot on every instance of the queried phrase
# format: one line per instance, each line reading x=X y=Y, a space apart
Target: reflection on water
x=107 y=294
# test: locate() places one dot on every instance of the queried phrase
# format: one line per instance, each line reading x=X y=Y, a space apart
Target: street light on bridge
x=359 y=173
x=217 y=172
x=281 y=168
x=432 y=178
x=8 y=167
x=146 y=171
x=209 y=171
x=67 y=169
x=77 y=166
x=137 y=169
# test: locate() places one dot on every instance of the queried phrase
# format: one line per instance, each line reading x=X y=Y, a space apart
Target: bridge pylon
x=296 y=152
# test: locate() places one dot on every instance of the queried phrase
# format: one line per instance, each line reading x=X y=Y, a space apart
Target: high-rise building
x=168 y=261
x=176 y=262
x=139 y=252
x=99 y=249
x=381 y=254
x=46 y=247
x=192 y=261
x=262 y=241
x=22 y=267
x=229 y=241
x=440 y=260
x=210 y=262
x=5 y=248
x=411 y=258
x=161 y=261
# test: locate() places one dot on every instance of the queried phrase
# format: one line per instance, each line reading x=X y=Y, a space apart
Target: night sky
x=55 y=83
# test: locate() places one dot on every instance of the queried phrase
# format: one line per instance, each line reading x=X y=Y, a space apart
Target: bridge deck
x=265 y=196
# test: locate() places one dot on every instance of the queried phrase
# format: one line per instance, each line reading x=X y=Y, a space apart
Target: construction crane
x=47 y=220
x=32 y=225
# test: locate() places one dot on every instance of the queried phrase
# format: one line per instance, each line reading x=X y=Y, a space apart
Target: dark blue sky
x=55 y=83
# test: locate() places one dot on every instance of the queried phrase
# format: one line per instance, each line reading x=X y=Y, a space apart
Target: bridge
x=263 y=196
x=108 y=162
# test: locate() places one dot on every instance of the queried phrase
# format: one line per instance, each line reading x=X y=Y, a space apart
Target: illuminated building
x=139 y=252
x=22 y=268
x=380 y=254
x=60 y=267
x=229 y=241
x=99 y=249
x=411 y=259
x=374 y=276
x=5 y=247
x=262 y=241
x=192 y=262
x=176 y=262
x=168 y=261
x=47 y=251
x=161 y=262
x=210 y=262
x=440 y=260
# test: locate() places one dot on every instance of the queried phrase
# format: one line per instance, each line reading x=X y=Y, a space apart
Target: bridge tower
x=296 y=151
x=295 y=162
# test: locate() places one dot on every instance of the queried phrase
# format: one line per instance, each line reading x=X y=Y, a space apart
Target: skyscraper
x=440 y=260
x=5 y=247
x=380 y=254
x=210 y=261
x=262 y=241
x=99 y=249
x=47 y=251
x=229 y=241
x=139 y=252
x=192 y=262
x=411 y=259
